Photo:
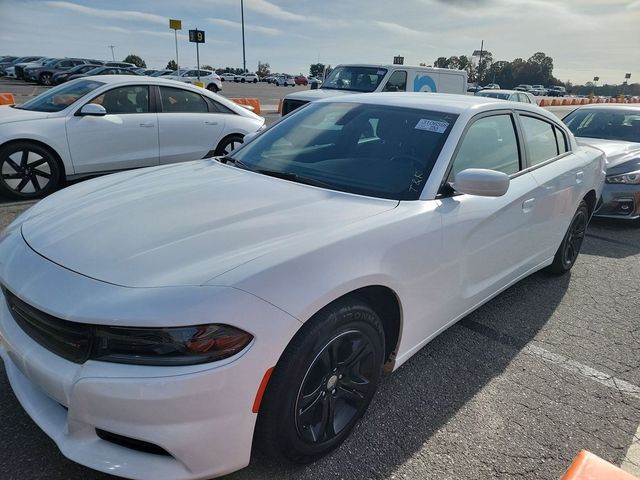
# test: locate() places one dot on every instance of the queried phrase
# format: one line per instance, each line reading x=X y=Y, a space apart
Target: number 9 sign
x=196 y=36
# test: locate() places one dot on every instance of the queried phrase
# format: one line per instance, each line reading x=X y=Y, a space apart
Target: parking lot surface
x=514 y=390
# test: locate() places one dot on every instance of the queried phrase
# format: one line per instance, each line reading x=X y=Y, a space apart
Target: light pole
x=112 y=55
x=244 y=58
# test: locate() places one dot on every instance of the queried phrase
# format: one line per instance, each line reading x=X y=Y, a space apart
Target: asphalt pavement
x=514 y=390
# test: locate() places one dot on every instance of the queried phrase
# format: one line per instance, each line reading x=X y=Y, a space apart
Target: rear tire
x=212 y=87
x=228 y=145
x=569 y=249
x=45 y=78
x=28 y=171
x=323 y=382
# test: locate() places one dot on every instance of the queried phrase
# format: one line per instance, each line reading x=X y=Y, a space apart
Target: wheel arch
x=591 y=201
x=41 y=144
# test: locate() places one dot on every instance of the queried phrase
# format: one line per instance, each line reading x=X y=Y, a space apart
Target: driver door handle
x=147 y=125
x=209 y=122
x=527 y=205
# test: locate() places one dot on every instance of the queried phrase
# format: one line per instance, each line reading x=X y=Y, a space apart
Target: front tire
x=45 y=78
x=27 y=171
x=323 y=383
x=569 y=249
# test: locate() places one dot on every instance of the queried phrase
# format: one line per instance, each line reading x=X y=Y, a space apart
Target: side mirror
x=92 y=110
x=482 y=182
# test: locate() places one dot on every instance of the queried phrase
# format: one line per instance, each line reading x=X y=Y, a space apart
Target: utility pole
x=244 y=58
x=480 y=62
x=112 y=55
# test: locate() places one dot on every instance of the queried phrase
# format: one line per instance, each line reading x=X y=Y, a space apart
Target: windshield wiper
x=236 y=162
x=294 y=177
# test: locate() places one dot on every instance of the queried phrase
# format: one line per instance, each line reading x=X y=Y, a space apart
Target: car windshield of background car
x=373 y=150
x=357 y=79
x=609 y=124
x=60 y=97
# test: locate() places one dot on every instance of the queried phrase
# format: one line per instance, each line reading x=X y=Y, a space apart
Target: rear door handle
x=579 y=177
x=147 y=125
x=528 y=205
x=207 y=122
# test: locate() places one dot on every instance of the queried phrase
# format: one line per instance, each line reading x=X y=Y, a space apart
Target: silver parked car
x=511 y=95
x=614 y=129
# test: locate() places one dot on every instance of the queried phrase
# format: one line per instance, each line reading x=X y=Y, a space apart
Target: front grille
x=289 y=106
x=69 y=340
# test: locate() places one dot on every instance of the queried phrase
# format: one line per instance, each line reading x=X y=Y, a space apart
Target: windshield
x=61 y=97
x=373 y=150
x=607 y=124
x=356 y=79
x=501 y=96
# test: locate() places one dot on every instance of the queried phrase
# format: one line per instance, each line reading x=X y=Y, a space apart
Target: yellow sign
x=175 y=24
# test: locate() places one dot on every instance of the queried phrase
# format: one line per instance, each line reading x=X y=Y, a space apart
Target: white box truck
x=347 y=79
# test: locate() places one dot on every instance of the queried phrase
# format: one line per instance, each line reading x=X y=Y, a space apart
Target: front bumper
x=620 y=201
x=200 y=415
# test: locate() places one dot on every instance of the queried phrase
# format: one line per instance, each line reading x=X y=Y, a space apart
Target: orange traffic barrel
x=587 y=466
x=7 y=99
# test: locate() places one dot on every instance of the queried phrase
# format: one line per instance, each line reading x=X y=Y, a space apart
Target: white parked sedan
x=102 y=124
x=210 y=78
x=154 y=319
x=511 y=95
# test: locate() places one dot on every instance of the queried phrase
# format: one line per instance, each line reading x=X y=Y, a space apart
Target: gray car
x=614 y=129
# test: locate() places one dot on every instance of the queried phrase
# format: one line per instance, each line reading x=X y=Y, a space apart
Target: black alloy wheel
x=27 y=171
x=336 y=387
x=569 y=249
x=228 y=145
x=323 y=382
x=45 y=78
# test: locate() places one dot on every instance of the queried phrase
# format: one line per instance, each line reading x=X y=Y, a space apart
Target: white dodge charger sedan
x=154 y=320
x=102 y=124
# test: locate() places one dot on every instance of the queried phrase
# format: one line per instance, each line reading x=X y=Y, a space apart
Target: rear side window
x=561 y=140
x=176 y=100
x=397 y=82
x=489 y=143
x=540 y=139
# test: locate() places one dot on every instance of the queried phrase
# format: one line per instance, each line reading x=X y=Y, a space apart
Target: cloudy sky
x=584 y=37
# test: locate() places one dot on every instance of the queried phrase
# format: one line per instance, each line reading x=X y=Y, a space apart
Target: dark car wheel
x=45 y=78
x=27 y=171
x=228 y=145
x=569 y=249
x=323 y=383
x=212 y=87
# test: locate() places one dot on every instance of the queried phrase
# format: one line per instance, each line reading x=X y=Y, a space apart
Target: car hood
x=617 y=151
x=312 y=95
x=183 y=224
x=9 y=114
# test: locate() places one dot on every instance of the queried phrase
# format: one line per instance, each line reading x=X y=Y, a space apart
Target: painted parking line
x=602 y=378
x=631 y=462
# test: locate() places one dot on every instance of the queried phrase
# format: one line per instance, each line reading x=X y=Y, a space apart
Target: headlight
x=167 y=346
x=631 y=178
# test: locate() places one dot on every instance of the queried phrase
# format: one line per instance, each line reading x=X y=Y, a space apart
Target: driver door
x=126 y=137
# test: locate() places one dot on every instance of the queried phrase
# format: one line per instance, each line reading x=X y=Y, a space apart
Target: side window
x=129 y=99
x=65 y=63
x=540 y=140
x=218 y=107
x=561 y=139
x=397 y=82
x=177 y=100
x=524 y=98
x=191 y=73
x=490 y=143
x=204 y=73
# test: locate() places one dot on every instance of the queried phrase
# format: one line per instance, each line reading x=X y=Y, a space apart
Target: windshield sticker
x=431 y=125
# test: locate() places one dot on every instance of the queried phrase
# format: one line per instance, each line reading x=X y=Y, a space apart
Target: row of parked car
x=537 y=90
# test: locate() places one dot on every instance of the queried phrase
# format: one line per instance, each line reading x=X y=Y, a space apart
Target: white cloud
x=396 y=29
x=109 y=14
x=238 y=25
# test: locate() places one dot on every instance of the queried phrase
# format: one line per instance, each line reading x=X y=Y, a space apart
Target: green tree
x=263 y=69
x=316 y=70
x=441 y=62
x=172 y=65
x=206 y=67
x=136 y=60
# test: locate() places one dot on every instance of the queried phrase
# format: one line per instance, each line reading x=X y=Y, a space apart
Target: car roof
x=498 y=90
x=611 y=106
x=442 y=102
